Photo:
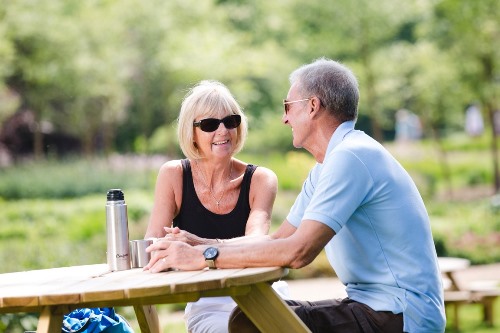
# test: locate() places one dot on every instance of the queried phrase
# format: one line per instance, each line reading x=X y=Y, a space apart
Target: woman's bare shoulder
x=264 y=175
x=265 y=172
x=171 y=168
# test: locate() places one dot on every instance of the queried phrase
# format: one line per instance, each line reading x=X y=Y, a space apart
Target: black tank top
x=195 y=218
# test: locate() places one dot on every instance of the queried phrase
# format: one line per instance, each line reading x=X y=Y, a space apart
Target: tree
x=36 y=33
x=66 y=70
x=8 y=99
x=471 y=31
x=425 y=80
x=353 y=32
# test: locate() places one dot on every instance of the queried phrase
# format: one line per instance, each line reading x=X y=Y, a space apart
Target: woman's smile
x=218 y=143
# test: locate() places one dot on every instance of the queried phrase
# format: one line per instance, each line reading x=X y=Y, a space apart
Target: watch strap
x=210 y=263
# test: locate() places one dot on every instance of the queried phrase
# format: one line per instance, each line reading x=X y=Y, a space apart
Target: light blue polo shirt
x=383 y=249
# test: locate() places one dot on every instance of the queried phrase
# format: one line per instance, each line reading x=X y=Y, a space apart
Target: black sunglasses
x=212 y=124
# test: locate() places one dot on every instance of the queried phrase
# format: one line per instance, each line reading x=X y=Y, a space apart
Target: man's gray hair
x=333 y=83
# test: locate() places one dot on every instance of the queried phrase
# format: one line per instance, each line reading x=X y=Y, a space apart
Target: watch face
x=211 y=253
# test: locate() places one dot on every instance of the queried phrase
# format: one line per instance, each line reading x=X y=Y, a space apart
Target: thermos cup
x=118 y=253
x=138 y=255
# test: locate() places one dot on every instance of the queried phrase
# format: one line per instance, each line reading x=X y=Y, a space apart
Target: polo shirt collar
x=339 y=135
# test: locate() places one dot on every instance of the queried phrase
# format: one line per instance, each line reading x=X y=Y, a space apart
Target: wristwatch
x=210 y=255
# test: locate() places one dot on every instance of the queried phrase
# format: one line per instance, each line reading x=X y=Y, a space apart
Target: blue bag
x=95 y=320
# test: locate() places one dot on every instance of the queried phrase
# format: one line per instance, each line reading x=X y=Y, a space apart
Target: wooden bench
x=454 y=299
x=464 y=284
x=485 y=292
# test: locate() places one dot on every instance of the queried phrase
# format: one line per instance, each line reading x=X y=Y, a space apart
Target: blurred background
x=90 y=92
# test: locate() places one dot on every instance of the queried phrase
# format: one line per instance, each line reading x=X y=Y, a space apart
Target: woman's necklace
x=210 y=187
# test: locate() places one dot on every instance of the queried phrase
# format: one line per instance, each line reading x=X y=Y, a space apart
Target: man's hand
x=167 y=255
x=176 y=234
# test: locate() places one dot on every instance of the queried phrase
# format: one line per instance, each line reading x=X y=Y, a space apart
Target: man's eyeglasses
x=212 y=124
x=286 y=104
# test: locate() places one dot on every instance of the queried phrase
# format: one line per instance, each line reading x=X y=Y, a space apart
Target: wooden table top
x=93 y=284
x=451 y=264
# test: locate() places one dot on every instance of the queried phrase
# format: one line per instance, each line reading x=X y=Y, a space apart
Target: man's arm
x=294 y=250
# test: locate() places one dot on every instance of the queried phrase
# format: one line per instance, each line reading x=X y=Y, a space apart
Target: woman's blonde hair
x=207 y=99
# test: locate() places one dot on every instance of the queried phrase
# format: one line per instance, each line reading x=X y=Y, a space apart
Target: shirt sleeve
x=341 y=188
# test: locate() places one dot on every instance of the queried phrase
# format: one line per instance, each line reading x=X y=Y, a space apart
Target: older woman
x=211 y=196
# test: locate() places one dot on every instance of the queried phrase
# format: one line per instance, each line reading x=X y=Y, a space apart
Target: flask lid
x=115 y=195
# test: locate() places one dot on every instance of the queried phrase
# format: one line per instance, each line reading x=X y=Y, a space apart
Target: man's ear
x=315 y=106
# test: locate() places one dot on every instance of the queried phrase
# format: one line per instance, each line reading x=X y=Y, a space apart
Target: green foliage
x=464 y=143
x=15 y=323
x=164 y=141
x=268 y=134
x=73 y=178
x=292 y=168
x=66 y=232
x=126 y=85
x=467 y=229
x=429 y=172
x=122 y=85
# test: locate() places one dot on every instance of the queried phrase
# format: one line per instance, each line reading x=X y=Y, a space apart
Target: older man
x=358 y=204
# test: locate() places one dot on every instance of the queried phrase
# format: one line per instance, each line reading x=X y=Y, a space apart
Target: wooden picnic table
x=458 y=293
x=449 y=266
x=58 y=291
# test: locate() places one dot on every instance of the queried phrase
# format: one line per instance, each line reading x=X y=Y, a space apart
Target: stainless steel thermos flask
x=118 y=252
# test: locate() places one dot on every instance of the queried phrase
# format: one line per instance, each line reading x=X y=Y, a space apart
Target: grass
x=470 y=319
